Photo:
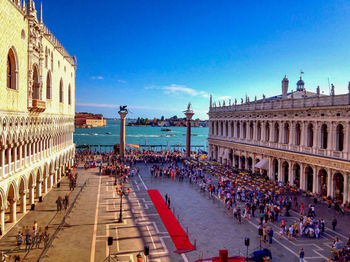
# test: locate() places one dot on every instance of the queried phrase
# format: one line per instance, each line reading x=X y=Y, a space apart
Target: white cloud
x=121 y=81
x=223 y=97
x=179 y=90
x=97 y=78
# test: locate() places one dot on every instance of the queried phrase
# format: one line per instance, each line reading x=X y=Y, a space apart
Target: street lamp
x=121 y=192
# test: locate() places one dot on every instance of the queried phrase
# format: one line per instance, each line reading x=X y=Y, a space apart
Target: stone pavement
x=45 y=214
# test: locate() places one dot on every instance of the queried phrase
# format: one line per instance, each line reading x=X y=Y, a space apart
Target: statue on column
x=123 y=109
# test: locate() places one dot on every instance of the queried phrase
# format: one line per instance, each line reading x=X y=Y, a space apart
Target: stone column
x=263 y=131
x=9 y=159
x=45 y=185
x=2 y=220
x=38 y=189
x=329 y=182
x=31 y=195
x=255 y=132
x=23 y=203
x=239 y=161
x=347 y=140
x=122 y=134
x=13 y=211
x=2 y=162
x=15 y=157
x=346 y=188
x=281 y=132
x=302 y=177
x=331 y=137
x=292 y=133
x=189 y=114
x=51 y=180
x=235 y=129
x=291 y=173
x=20 y=155
x=241 y=130
x=315 y=180
x=280 y=173
x=229 y=129
x=317 y=133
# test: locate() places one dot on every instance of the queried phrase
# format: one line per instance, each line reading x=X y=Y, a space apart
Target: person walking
x=301 y=255
x=270 y=235
x=168 y=202
x=58 y=204
x=28 y=241
x=166 y=198
x=334 y=222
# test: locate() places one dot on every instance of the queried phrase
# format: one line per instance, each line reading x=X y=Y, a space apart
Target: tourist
x=168 y=202
x=334 y=222
x=59 y=203
x=301 y=255
x=19 y=239
x=270 y=232
x=28 y=241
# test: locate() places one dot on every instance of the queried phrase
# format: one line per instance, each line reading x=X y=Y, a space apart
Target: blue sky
x=156 y=56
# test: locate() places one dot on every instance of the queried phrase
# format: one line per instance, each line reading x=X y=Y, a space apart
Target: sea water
x=140 y=135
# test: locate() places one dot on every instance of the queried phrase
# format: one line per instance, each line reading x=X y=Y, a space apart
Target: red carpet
x=176 y=232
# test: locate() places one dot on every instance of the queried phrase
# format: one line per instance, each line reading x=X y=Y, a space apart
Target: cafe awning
x=263 y=164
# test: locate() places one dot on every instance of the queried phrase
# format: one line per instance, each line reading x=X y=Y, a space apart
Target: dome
x=300 y=82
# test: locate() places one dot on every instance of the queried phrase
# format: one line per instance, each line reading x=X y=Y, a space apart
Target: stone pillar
x=280 y=173
x=15 y=158
x=51 y=180
x=263 y=131
x=45 y=185
x=255 y=132
x=272 y=131
x=20 y=156
x=291 y=173
x=241 y=130
x=331 y=137
x=9 y=159
x=317 y=138
x=13 y=211
x=281 y=132
x=189 y=114
x=239 y=161
x=2 y=220
x=3 y=162
x=38 y=189
x=23 y=203
x=347 y=140
x=302 y=177
x=229 y=129
x=292 y=133
x=329 y=182
x=122 y=133
x=31 y=195
x=315 y=187
x=346 y=188
x=270 y=172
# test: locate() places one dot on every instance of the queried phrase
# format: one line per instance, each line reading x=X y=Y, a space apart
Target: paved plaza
x=81 y=232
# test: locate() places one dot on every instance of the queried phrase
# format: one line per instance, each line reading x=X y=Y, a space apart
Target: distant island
x=89 y=120
x=162 y=122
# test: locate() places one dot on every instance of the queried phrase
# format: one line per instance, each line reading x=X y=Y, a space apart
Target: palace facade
x=37 y=104
x=301 y=138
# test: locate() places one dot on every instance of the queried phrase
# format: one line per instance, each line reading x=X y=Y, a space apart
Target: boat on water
x=93 y=134
x=108 y=133
x=166 y=130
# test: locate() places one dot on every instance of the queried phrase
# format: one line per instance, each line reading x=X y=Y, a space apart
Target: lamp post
x=121 y=192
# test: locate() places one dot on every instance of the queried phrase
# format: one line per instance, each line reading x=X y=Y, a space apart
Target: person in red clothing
x=302 y=207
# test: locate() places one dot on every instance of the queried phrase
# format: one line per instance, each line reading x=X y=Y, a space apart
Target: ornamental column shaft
x=122 y=133
x=189 y=114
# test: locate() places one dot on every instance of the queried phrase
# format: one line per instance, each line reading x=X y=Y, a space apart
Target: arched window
x=258 y=135
x=48 y=86
x=267 y=132
x=11 y=70
x=310 y=135
x=244 y=130
x=277 y=133
x=69 y=95
x=61 y=91
x=340 y=137
x=297 y=134
x=286 y=133
x=324 y=136
x=36 y=85
x=251 y=131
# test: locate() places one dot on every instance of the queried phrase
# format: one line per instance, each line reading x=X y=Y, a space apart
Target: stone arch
x=61 y=91
x=286 y=133
x=267 y=132
x=285 y=171
x=49 y=85
x=11 y=198
x=250 y=163
x=243 y=162
x=298 y=134
x=276 y=132
x=309 y=178
x=323 y=179
x=310 y=135
x=296 y=175
x=338 y=186
x=23 y=189
x=275 y=169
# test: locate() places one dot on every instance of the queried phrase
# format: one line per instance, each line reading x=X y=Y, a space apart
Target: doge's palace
x=299 y=137
x=37 y=105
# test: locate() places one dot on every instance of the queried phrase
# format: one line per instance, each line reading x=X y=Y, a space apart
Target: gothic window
x=340 y=138
x=11 y=70
x=324 y=136
x=310 y=135
x=36 y=86
x=48 y=86
x=69 y=95
x=61 y=91
x=297 y=134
